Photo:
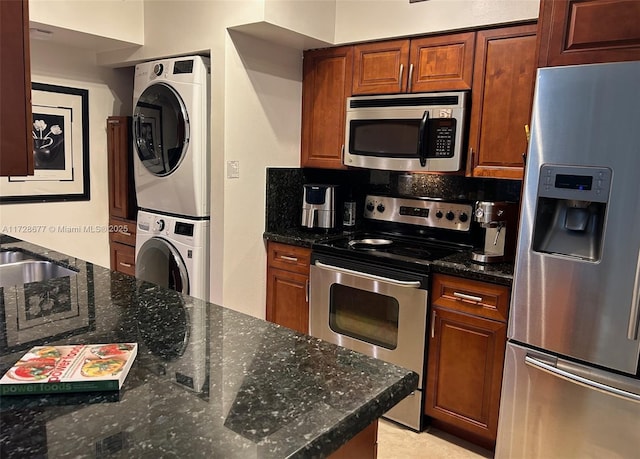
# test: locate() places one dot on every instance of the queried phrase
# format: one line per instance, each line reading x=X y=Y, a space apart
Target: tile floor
x=397 y=442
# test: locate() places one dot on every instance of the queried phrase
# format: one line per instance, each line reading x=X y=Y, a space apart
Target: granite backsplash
x=284 y=189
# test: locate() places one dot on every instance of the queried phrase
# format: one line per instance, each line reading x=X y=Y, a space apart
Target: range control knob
x=157 y=69
x=159 y=225
x=450 y=216
x=380 y=207
x=463 y=217
x=370 y=207
x=439 y=214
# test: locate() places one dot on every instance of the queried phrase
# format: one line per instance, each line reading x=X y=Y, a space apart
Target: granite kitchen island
x=207 y=382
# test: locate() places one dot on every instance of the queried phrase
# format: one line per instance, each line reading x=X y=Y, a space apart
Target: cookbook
x=66 y=369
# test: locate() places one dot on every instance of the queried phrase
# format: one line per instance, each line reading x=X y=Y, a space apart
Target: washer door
x=160 y=263
x=160 y=129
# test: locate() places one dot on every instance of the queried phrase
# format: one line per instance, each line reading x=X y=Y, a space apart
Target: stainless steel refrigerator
x=571 y=385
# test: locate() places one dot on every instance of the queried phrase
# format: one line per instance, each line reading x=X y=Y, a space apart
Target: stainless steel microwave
x=406 y=132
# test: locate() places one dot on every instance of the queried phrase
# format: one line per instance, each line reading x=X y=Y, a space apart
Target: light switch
x=233 y=169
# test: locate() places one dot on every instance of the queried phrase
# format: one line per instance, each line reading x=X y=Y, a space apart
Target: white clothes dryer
x=170 y=135
x=173 y=252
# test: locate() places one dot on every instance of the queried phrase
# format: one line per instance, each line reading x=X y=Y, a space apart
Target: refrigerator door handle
x=576 y=379
x=634 y=317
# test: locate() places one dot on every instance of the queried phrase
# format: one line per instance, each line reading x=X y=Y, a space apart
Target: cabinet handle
x=284 y=257
x=400 y=76
x=470 y=163
x=126 y=265
x=433 y=324
x=410 y=84
x=306 y=289
x=113 y=121
x=464 y=296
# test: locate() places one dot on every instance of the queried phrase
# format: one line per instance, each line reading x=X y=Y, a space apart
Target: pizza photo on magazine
x=72 y=368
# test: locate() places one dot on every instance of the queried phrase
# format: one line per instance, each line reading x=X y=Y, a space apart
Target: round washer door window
x=160 y=263
x=160 y=129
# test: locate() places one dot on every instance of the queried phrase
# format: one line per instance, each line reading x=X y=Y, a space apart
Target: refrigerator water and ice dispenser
x=571 y=211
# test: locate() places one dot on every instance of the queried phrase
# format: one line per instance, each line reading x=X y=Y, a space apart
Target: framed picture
x=47 y=310
x=60 y=133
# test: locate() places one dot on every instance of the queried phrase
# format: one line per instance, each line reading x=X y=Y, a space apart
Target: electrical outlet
x=233 y=169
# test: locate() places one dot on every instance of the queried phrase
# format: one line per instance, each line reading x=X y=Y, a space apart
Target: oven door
x=374 y=310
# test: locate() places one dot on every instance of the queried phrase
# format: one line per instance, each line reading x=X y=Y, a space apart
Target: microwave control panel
x=441 y=138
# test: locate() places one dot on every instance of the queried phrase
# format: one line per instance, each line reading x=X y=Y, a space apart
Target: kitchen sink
x=11 y=256
x=29 y=270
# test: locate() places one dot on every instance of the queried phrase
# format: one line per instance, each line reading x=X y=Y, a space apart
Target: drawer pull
x=126 y=265
x=464 y=296
x=284 y=257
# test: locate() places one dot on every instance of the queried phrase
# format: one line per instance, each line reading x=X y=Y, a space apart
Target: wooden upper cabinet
x=502 y=96
x=442 y=63
x=16 y=143
x=435 y=63
x=585 y=32
x=326 y=84
x=381 y=67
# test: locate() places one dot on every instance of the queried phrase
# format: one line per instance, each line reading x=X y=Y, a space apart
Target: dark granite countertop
x=459 y=264
x=207 y=382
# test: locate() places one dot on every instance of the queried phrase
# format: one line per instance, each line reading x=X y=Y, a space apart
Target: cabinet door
x=123 y=258
x=584 y=32
x=442 y=63
x=122 y=202
x=288 y=299
x=464 y=373
x=325 y=87
x=381 y=67
x=16 y=143
x=504 y=75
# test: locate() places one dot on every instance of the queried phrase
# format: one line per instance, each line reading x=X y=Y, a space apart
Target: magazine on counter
x=73 y=368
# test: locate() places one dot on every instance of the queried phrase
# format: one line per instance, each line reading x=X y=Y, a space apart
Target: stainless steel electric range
x=369 y=290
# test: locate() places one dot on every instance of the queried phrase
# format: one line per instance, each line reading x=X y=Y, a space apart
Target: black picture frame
x=61 y=150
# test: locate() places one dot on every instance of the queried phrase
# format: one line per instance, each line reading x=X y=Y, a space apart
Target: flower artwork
x=48 y=142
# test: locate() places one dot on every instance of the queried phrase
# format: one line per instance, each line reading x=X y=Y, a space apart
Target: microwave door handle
x=422 y=142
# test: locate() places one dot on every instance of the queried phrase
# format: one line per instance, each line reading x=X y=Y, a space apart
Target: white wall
x=262 y=118
x=116 y=19
x=109 y=94
x=360 y=20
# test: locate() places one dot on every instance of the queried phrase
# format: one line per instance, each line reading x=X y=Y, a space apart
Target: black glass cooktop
x=387 y=248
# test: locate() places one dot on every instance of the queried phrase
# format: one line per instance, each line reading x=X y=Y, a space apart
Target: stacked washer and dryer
x=171 y=170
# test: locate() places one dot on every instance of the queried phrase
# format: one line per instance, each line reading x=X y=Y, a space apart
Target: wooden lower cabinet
x=288 y=286
x=123 y=258
x=122 y=245
x=466 y=358
x=363 y=446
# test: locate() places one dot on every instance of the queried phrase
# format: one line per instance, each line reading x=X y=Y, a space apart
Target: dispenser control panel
x=582 y=183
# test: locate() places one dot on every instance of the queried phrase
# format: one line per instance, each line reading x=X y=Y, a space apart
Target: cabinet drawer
x=122 y=231
x=288 y=257
x=473 y=297
x=123 y=258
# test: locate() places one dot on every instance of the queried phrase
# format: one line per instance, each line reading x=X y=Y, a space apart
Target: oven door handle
x=399 y=283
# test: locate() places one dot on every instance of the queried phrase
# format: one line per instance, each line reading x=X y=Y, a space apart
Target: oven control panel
x=423 y=212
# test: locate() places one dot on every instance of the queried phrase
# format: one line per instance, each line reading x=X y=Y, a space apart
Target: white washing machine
x=170 y=135
x=173 y=252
